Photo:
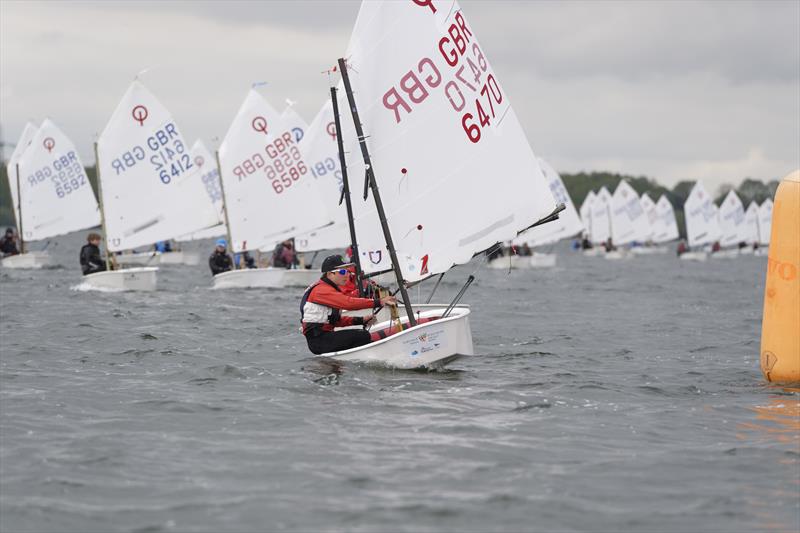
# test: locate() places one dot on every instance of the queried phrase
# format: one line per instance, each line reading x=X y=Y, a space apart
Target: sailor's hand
x=388 y=300
x=368 y=319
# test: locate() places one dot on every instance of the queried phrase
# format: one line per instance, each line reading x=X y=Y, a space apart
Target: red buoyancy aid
x=323 y=302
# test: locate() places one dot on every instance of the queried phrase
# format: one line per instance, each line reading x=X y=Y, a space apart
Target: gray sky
x=672 y=90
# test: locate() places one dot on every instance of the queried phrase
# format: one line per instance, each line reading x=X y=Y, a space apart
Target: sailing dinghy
x=148 y=186
x=24 y=259
x=651 y=214
x=764 y=226
x=433 y=114
x=54 y=195
x=702 y=227
x=268 y=194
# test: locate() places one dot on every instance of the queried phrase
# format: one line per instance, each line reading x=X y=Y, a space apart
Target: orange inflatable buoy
x=780 y=328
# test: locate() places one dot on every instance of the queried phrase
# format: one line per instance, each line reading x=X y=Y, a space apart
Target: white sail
x=11 y=167
x=149 y=186
x=297 y=126
x=701 y=217
x=628 y=219
x=57 y=197
x=765 y=221
x=586 y=213
x=666 y=227
x=751 y=223
x=209 y=177
x=568 y=223
x=649 y=208
x=322 y=153
x=601 y=216
x=731 y=218
x=269 y=191
x=455 y=167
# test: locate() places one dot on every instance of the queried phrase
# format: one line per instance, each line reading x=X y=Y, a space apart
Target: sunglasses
x=342 y=271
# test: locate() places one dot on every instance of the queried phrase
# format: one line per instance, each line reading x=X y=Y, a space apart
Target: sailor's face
x=337 y=277
x=95 y=242
x=220 y=248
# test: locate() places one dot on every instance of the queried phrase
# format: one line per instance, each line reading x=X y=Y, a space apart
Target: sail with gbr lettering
x=731 y=218
x=568 y=224
x=209 y=177
x=57 y=197
x=447 y=148
x=149 y=186
x=269 y=191
x=701 y=217
x=11 y=167
x=321 y=151
x=665 y=228
x=628 y=219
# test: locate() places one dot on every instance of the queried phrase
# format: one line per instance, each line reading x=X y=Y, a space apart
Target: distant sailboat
x=764 y=224
x=147 y=179
x=629 y=222
x=702 y=226
x=268 y=192
x=651 y=211
x=55 y=196
x=750 y=236
x=297 y=126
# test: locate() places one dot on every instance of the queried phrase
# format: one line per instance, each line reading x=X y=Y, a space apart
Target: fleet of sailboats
x=448 y=175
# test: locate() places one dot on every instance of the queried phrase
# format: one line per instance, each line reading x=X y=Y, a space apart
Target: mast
x=102 y=211
x=19 y=215
x=346 y=193
x=387 y=235
x=224 y=206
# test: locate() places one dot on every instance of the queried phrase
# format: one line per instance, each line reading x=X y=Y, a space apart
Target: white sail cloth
x=56 y=195
x=665 y=228
x=149 y=186
x=568 y=223
x=765 y=221
x=209 y=177
x=649 y=208
x=455 y=169
x=322 y=152
x=11 y=167
x=601 y=216
x=586 y=213
x=732 y=220
x=628 y=219
x=269 y=191
x=751 y=223
x=297 y=126
x=700 y=212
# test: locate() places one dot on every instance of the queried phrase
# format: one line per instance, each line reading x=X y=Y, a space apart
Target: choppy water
x=607 y=396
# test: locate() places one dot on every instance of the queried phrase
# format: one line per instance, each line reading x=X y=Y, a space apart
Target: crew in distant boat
x=8 y=244
x=244 y=258
x=609 y=244
x=715 y=247
x=321 y=307
x=494 y=252
x=284 y=255
x=586 y=244
x=220 y=261
x=91 y=260
x=163 y=246
x=682 y=248
x=524 y=250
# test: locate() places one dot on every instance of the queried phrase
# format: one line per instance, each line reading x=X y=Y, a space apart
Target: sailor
x=245 y=258
x=321 y=310
x=162 y=246
x=682 y=248
x=8 y=244
x=284 y=255
x=220 y=261
x=609 y=244
x=586 y=244
x=91 y=260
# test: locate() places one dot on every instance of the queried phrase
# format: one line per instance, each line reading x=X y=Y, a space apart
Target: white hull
x=126 y=279
x=27 y=260
x=139 y=258
x=179 y=258
x=649 y=250
x=385 y=314
x=428 y=345
x=506 y=262
x=694 y=256
x=539 y=260
x=616 y=255
x=594 y=252
x=725 y=254
x=270 y=278
x=761 y=251
x=746 y=251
